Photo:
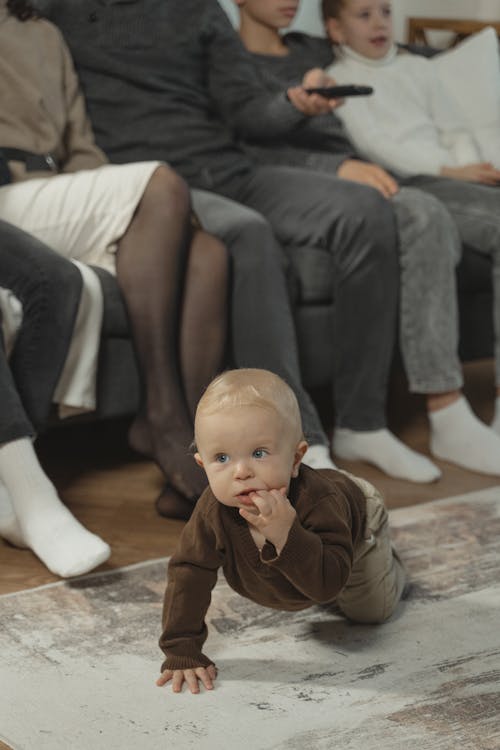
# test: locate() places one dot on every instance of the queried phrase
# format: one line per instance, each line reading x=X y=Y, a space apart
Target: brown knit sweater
x=313 y=566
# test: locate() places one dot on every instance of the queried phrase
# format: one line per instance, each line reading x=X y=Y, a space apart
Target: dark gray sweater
x=324 y=144
x=171 y=80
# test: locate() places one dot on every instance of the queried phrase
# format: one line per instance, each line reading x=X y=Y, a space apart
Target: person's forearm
x=317 y=566
x=266 y=118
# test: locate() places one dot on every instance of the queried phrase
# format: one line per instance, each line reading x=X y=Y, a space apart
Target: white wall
x=308 y=18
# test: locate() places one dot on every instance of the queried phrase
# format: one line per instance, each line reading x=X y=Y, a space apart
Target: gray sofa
x=314 y=310
x=118 y=383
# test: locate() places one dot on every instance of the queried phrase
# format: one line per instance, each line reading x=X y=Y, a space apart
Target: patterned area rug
x=78 y=660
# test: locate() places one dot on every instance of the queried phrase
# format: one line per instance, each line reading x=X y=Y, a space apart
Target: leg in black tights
x=202 y=339
x=153 y=271
x=204 y=316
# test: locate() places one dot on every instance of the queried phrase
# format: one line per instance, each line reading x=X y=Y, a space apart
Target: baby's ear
x=334 y=31
x=198 y=459
x=300 y=452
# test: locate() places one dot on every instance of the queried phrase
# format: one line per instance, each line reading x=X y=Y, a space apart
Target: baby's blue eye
x=259 y=453
x=222 y=458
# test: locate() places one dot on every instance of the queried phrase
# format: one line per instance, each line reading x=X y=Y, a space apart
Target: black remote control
x=339 y=92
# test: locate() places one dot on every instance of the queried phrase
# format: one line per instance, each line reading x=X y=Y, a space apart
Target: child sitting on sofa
x=434 y=217
x=410 y=124
x=286 y=536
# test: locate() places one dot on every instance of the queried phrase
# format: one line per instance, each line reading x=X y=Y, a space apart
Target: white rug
x=78 y=661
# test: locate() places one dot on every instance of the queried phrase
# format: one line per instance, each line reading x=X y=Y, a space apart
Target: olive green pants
x=378 y=577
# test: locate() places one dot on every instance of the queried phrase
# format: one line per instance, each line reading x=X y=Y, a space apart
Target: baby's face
x=243 y=449
x=365 y=26
x=276 y=14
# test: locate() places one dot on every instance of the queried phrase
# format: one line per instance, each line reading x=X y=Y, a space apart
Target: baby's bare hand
x=274 y=517
x=192 y=677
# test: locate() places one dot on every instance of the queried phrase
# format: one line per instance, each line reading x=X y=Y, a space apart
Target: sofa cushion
x=115 y=318
x=470 y=73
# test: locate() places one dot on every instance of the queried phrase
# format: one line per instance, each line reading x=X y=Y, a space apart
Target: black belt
x=34 y=162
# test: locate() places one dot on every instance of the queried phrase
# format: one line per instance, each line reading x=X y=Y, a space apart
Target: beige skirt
x=81 y=215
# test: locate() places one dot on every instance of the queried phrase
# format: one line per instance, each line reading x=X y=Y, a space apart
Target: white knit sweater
x=409 y=124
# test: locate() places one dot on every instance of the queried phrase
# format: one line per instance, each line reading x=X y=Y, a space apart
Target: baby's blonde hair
x=252 y=387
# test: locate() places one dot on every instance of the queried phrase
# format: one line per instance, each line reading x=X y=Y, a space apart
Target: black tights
x=174 y=282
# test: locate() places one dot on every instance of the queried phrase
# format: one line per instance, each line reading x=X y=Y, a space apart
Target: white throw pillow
x=470 y=74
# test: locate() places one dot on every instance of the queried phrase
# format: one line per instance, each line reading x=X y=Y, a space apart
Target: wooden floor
x=112 y=491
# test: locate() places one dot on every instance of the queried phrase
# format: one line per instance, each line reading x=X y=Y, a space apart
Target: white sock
x=318 y=457
x=384 y=450
x=47 y=526
x=9 y=525
x=495 y=425
x=459 y=437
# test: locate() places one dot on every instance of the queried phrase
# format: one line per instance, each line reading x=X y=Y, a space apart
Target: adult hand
x=313 y=104
x=368 y=174
x=192 y=677
x=484 y=173
x=273 y=515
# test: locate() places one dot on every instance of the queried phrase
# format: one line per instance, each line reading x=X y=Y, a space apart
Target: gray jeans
x=48 y=287
x=475 y=210
x=429 y=248
x=262 y=331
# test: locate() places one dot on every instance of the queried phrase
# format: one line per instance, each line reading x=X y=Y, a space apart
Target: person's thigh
x=246 y=233
x=81 y=215
x=474 y=208
x=221 y=216
x=317 y=209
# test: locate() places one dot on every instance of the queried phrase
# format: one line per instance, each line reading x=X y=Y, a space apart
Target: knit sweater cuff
x=294 y=550
x=186 y=661
x=284 y=115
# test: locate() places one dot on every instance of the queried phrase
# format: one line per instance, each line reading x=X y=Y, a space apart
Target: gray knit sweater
x=324 y=144
x=171 y=80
